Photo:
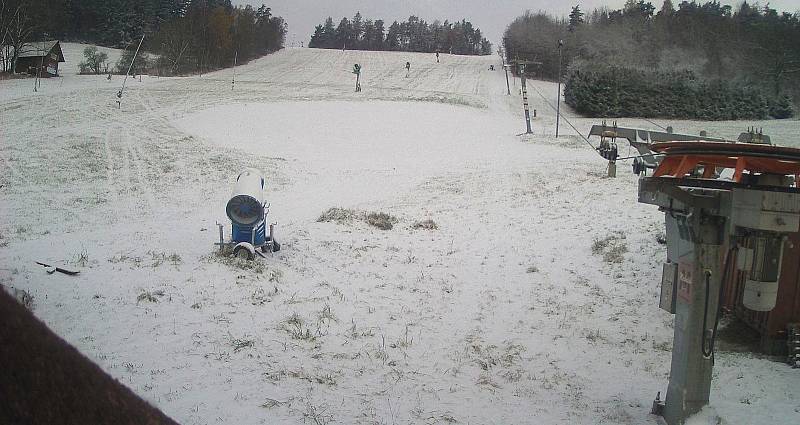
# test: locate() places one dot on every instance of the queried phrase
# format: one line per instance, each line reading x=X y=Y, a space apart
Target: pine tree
x=486 y=47
x=317 y=37
x=667 y=9
x=576 y=18
x=357 y=31
x=414 y=35
x=328 y=34
x=378 y=40
x=393 y=37
x=343 y=38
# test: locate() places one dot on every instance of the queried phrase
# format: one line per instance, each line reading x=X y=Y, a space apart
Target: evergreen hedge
x=626 y=92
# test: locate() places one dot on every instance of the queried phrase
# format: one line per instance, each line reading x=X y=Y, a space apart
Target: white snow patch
x=503 y=314
x=707 y=416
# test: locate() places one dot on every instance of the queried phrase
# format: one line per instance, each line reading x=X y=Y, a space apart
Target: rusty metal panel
x=771 y=325
x=788 y=308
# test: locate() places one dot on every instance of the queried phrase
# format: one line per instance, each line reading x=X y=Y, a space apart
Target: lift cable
x=652 y=122
x=585 y=139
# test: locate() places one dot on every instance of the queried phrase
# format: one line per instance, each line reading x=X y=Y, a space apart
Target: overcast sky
x=491 y=16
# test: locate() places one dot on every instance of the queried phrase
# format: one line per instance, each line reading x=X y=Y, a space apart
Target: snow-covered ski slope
x=533 y=301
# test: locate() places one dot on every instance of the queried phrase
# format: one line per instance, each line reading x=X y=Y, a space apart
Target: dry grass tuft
x=148 y=296
x=381 y=220
x=612 y=247
x=425 y=224
x=338 y=215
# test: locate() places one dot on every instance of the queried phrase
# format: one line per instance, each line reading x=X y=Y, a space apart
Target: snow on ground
x=508 y=312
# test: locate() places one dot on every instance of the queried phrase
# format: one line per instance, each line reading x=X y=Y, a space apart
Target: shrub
x=140 y=65
x=95 y=61
x=625 y=92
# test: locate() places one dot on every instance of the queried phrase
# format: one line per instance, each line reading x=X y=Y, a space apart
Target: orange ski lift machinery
x=639 y=139
x=732 y=212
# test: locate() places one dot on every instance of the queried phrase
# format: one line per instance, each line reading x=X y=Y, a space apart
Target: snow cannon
x=247 y=210
x=246 y=206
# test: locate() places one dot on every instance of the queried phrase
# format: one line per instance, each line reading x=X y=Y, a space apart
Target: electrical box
x=669 y=279
x=760 y=296
x=763 y=210
x=764 y=268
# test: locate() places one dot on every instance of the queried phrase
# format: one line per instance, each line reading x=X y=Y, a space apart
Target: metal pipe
x=221 y=238
x=235 y=57
x=122 y=90
x=272 y=236
x=558 y=107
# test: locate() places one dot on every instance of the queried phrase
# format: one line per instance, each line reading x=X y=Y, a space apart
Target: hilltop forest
x=684 y=60
x=413 y=35
x=185 y=35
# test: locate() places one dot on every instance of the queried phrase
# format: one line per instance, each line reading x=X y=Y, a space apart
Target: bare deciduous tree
x=19 y=28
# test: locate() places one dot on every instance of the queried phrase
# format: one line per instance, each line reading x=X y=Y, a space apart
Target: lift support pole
x=525 y=99
x=521 y=64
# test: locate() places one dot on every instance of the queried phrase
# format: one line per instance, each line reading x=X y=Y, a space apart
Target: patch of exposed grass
x=593 y=335
x=229 y=260
x=612 y=247
x=160 y=258
x=242 y=343
x=147 y=296
x=260 y=296
x=295 y=326
x=22 y=296
x=271 y=402
x=381 y=220
x=326 y=314
x=124 y=258
x=662 y=346
x=81 y=258
x=404 y=341
x=425 y=224
x=338 y=215
x=615 y=254
x=355 y=332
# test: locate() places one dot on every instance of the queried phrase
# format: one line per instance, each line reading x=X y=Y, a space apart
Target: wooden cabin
x=40 y=58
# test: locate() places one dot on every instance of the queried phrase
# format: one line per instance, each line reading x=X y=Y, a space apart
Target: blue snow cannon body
x=247 y=209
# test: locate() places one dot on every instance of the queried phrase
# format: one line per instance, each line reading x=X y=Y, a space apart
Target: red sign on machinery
x=685 y=271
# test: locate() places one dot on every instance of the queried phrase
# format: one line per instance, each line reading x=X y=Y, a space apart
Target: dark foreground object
x=44 y=380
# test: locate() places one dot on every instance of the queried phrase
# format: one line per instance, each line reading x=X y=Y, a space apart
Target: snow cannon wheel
x=244 y=250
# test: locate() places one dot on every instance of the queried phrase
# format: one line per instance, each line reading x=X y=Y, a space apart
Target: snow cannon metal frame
x=247 y=210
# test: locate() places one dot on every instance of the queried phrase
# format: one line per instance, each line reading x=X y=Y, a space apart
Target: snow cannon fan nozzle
x=246 y=205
